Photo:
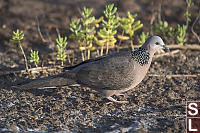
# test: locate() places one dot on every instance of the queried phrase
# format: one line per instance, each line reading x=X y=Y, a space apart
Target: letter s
x=193 y=108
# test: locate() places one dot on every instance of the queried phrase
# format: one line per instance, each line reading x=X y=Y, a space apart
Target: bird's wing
x=84 y=62
x=111 y=73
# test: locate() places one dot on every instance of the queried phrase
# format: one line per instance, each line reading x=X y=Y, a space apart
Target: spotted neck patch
x=141 y=56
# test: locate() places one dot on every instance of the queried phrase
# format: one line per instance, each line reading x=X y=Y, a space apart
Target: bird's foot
x=115 y=101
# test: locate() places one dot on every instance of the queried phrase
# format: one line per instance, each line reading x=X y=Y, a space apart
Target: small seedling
x=34 y=57
x=17 y=37
x=181 y=31
x=88 y=22
x=129 y=26
x=109 y=29
x=61 y=45
x=143 y=38
x=75 y=28
x=163 y=29
x=187 y=15
x=171 y=31
x=77 y=34
x=83 y=30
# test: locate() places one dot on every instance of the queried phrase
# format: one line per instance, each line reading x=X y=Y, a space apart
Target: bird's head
x=154 y=43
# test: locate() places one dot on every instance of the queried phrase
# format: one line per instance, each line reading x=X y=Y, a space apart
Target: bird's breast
x=138 y=75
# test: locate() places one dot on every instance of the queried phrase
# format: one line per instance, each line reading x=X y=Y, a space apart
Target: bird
x=109 y=75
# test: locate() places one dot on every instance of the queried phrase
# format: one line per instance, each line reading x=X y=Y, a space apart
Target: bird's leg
x=115 y=101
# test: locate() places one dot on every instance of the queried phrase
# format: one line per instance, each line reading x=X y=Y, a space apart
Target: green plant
x=83 y=30
x=61 y=45
x=187 y=15
x=143 y=37
x=129 y=26
x=88 y=22
x=109 y=29
x=75 y=28
x=171 y=31
x=17 y=37
x=34 y=57
x=181 y=31
x=163 y=29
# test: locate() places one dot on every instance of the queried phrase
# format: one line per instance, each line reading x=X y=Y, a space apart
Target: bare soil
x=155 y=105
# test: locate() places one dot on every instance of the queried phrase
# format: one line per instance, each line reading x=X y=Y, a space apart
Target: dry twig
x=173 y=46
x=185 y=47
x=192 y=28
x=176 y=75
x=38 y=27
x=167 y=54
x=33 y=70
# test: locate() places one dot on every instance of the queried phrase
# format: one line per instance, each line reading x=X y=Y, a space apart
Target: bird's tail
x=50 y=81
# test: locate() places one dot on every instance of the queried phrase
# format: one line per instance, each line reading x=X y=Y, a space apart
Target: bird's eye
x=157 y=43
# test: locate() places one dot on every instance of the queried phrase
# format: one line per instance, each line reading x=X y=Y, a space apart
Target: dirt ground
x=155 y=105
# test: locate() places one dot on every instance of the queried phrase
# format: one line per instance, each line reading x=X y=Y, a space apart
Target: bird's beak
x=166 y=49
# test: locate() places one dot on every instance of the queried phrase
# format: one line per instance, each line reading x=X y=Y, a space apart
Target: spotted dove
x=110 y=75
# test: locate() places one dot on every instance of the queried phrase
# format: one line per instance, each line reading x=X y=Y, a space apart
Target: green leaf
x=17 y=36
x=61 y=45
